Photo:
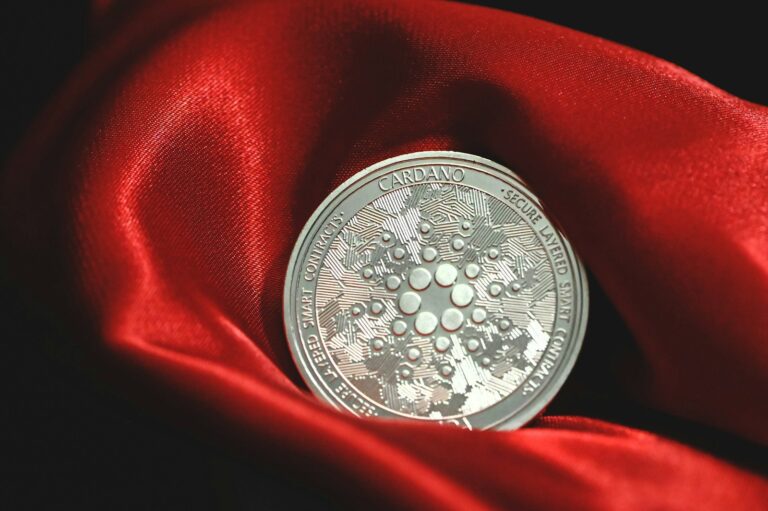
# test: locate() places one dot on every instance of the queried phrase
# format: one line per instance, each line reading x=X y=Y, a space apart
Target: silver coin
x=432 y=286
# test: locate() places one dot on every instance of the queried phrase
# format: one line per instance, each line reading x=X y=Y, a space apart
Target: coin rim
x=542 y=396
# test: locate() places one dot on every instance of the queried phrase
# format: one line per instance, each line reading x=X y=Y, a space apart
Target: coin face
x=432 y=286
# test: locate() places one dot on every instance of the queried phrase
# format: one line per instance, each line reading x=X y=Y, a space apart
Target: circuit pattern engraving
x=436 y=300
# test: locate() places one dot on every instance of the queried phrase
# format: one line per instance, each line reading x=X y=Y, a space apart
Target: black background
x=75 y=442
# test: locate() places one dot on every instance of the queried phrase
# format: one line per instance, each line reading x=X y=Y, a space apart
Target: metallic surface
x=432 y=286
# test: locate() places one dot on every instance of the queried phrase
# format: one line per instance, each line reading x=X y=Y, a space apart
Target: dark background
x=75 y=442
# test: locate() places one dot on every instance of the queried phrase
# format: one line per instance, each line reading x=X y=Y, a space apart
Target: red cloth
x=180 y=162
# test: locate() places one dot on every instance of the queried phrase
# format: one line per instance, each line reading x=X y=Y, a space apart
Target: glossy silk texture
x=157 y=201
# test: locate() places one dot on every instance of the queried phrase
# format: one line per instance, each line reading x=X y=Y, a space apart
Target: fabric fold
x=161 y=193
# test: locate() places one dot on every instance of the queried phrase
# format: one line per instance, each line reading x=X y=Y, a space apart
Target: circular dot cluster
x=420 y=278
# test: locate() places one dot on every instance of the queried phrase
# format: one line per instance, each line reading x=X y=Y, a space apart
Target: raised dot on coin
x=457 y=244
x=426 y=322
x=399 y=253
x=429 y=254
x=424 y=228
x=446 y=274
x=504 y=324
x=386 y=236
x=462 y=294
x=472 y=270
x=378 y=344
x=486 y=361
x=465 y=225
x=377 y=307
x=452 y=319
x=478 y=315
x=495 y=289
x=442 y=344
x=516 y=286
x=446 y=370
x=399 y=327
x=368 y=273
x=393 y=282
x=405 y=372
x=473 y=344
x=493 y=253
x=409 y=302
x=420 y=279
x=413 y=354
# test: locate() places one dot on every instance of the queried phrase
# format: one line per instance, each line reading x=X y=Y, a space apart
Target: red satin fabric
x=178 y=165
